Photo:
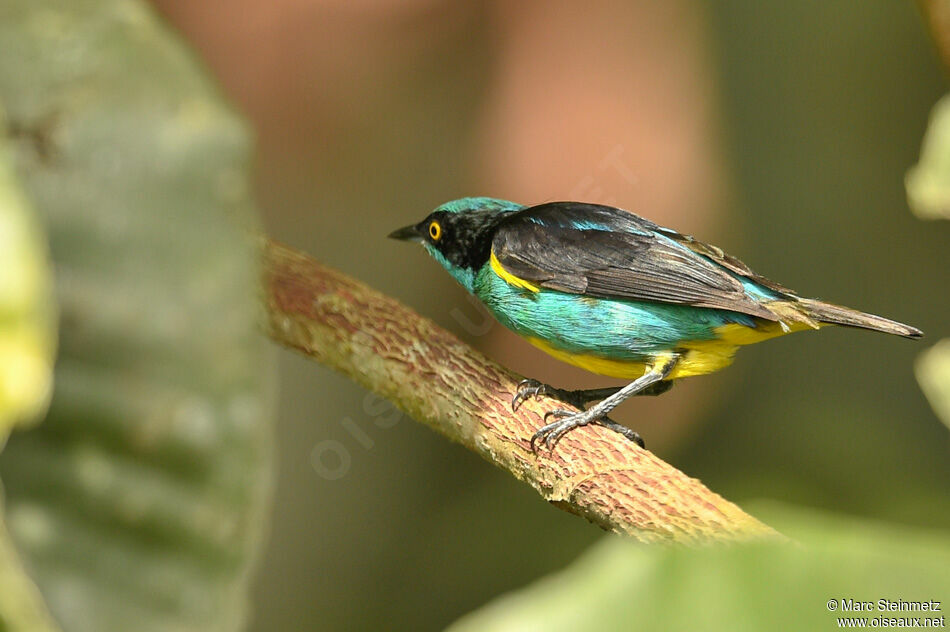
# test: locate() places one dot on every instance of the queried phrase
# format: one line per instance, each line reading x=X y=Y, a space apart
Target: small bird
x=615 y=294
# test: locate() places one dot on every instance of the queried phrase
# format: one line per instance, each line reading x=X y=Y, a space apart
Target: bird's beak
x=407 y=233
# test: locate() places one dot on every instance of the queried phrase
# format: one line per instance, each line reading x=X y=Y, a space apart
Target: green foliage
x=928 y=192
x=27 y=330
x=928 y=183
x=138 y=503
x=933 y=373
x=21 y=605
x=27 y=339
x=619 y=585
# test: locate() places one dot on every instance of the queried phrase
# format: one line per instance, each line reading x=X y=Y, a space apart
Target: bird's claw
x=551 y=433
x=566 y=420
x=559 y=413
x=632 y=435
x=526 y=390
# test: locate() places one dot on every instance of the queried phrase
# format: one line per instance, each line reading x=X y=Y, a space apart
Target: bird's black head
x=458 y=234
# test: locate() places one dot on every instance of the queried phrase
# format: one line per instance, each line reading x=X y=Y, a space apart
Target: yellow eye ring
x=435 y=231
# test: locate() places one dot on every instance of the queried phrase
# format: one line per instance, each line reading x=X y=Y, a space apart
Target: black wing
x=605 y=252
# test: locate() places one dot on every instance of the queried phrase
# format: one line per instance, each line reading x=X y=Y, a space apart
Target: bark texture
x=442 y=382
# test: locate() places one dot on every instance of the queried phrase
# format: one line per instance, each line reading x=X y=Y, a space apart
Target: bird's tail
x=838 y=315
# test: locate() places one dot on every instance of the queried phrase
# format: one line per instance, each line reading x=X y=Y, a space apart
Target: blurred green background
x=780 y=131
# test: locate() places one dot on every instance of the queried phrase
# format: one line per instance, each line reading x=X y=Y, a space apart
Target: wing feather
x=604 y=252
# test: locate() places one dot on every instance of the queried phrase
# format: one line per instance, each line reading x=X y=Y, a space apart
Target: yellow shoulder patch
x=508 y=277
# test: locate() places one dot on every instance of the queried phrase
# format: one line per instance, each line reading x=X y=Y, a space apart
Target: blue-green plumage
x=618 y=329
x=616 y=294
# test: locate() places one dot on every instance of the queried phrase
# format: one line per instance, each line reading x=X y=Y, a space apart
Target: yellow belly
x=595 y=364
x=706 y=356
x=695 y=358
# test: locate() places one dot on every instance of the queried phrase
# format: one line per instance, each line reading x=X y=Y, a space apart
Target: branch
x=442 y=382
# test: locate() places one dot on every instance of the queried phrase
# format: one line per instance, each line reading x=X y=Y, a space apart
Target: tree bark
x=440 y=381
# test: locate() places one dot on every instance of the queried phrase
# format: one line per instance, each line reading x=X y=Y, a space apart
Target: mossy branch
x=440 y=381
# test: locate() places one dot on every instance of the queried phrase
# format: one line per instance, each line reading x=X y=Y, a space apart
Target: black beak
x=407 y=233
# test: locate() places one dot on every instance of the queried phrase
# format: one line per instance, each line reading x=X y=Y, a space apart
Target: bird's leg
x=585 y=396
x=632 y=435
x=579 y=398
x=657 y=388
x=568 y=420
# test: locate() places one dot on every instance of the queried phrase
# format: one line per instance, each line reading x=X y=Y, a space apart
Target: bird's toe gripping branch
x=526 y=390
x=552 y=432
x=567 y=420
x=579 y=399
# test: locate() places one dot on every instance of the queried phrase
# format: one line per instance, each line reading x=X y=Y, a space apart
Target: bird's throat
x=464 y=276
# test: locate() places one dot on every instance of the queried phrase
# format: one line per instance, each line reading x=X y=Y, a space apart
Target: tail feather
x=838 y=315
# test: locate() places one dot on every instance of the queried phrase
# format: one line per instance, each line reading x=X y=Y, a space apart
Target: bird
x=615 y=294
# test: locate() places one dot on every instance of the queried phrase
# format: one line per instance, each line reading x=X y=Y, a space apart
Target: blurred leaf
x=933 y=373
x=21 y=605
x=928 y=183
x=620 y=585
x=928 y=191
x=139 y=503
x=27 y=340
x=27 y=323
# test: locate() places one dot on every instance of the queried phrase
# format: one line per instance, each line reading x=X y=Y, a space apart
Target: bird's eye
x=435 y=231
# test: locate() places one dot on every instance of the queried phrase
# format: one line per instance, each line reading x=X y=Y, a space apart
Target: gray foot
x=551 y=433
